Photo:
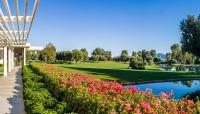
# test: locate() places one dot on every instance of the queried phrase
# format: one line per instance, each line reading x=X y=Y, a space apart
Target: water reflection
x=194 y=95
x=179 y=88
x=187 y=83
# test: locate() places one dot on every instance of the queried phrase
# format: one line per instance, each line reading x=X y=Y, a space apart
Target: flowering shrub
x=84 y=94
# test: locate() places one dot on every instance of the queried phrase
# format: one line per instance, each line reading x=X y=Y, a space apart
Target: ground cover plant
x=85 y=94
x=121 y=73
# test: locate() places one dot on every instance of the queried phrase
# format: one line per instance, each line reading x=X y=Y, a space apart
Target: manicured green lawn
x=121 y=72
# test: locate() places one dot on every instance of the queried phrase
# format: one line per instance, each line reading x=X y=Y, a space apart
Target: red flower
x=133 y=89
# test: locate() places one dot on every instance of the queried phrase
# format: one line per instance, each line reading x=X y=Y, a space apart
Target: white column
x=9 y=59
x=5 y=61
x=12 y=61
x=24 y=56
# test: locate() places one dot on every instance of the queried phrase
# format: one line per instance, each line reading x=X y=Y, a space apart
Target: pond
x=180 y=88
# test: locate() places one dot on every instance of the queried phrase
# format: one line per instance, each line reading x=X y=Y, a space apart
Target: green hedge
x=37 y=97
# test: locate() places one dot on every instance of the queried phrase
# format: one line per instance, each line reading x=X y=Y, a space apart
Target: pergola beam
x=14 y=19
x=4 y=25
x=8 y=32
x=25 y=12
x=17 y=15
x=33 y=15
x=6 y=36
x=5 y=2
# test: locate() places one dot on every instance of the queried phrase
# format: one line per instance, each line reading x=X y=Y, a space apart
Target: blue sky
x=111 y=24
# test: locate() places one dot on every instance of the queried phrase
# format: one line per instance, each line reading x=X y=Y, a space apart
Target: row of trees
x=99 y=54
x=74 y=55
x=179 y=56
x=140 y=58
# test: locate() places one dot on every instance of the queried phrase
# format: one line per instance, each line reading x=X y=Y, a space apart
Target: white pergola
x=14 y=31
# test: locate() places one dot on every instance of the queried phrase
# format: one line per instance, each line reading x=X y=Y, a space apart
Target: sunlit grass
x=121 y=72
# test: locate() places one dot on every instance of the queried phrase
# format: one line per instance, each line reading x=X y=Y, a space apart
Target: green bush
x=135 y=64
x=37 y=97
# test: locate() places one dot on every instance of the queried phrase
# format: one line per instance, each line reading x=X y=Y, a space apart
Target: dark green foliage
x=64 y=56
x=190 y=28
x=193 y=96
x=124 y=56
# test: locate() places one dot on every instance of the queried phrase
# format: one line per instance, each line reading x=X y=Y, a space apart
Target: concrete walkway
x=11 y=93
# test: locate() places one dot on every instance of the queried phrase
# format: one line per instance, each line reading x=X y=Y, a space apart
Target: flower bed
x=84 y=94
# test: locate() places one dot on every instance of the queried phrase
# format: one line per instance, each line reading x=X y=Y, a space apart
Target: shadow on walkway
x=11 y=93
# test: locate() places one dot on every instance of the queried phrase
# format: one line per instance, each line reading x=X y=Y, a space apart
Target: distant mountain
x=161 y=56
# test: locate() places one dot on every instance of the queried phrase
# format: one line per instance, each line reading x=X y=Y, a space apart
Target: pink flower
x=137 y=110
x=148 y=95
x=128 y=107
x=191 y=102
x=163 y=95
x=146 y=106
x=92 y=89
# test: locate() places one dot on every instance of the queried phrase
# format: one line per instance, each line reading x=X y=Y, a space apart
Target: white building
x=14 y=33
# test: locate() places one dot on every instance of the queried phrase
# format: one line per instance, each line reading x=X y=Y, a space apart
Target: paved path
x=11 y=93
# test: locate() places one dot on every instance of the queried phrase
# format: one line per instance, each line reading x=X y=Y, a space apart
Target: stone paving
x=11 y=93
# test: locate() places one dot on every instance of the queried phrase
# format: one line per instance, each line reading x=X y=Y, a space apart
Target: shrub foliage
x=84 y=94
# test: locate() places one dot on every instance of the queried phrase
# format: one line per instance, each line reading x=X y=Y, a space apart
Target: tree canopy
x=48 y=54
x=124 y=55
x=76 y=55
x=190 y=29
x=99 y=54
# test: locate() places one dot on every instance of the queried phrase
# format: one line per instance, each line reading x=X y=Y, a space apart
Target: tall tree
x=76 y=55
x=84 y=53
x=176 y=53
x=124 y=55
x=48 y=54
x=99 y=54
x=153 y=53
x=190 y=28
x=68 y=55
x=168 y=57
x=134 y=53
x=108 y=55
